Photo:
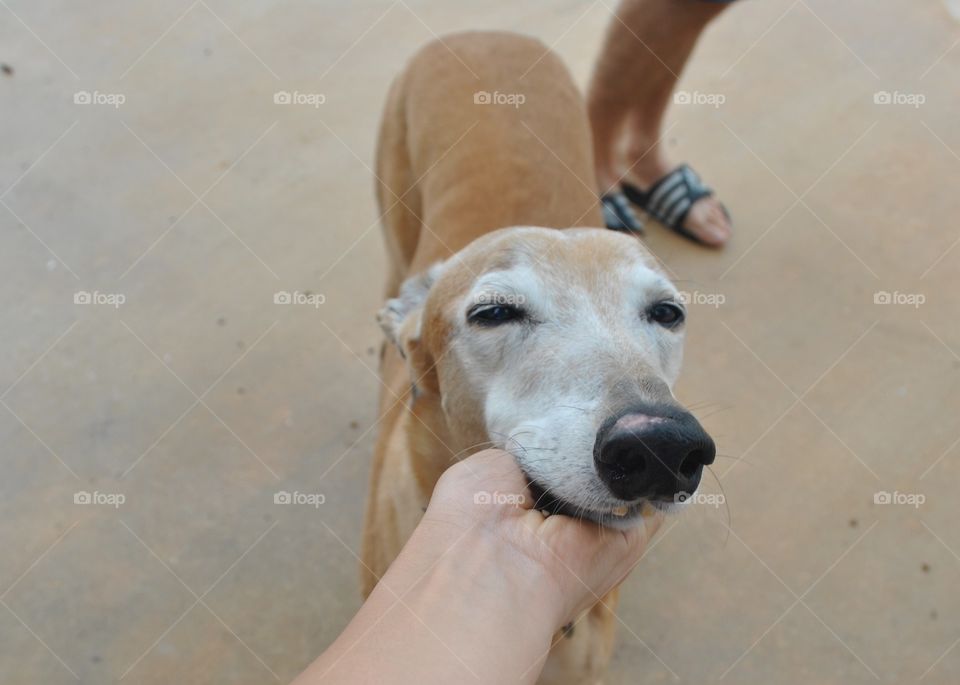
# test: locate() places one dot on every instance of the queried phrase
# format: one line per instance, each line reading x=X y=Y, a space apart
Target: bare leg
x=646 y=48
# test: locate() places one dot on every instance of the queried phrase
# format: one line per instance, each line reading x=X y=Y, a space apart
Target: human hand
x=485 y=498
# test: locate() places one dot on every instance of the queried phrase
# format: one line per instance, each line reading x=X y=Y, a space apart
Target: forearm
x=448 y=610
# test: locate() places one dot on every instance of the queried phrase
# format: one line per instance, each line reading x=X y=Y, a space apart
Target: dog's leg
x=581 y=652
x=395 y=504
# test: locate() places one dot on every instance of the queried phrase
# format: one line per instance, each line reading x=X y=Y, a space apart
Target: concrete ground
x=184 y=408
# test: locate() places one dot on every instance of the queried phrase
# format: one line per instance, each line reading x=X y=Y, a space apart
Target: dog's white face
x=561 y=347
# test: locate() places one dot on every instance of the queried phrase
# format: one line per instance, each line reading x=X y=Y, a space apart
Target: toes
x=709 y=222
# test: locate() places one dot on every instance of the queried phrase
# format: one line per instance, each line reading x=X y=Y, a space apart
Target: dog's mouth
x=616 y=516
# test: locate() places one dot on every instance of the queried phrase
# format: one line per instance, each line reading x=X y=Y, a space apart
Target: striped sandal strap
x=671 y=198
x=618 y=215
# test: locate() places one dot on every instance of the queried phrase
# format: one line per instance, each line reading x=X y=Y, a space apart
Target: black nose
x=652 y=452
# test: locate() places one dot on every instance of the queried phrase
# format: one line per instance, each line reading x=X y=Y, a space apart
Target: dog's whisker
x=714 y=412
x=707 y=409
x=536 y=505
x=725 y=503
x=570 y=406
x=486 y=443
x=700 y=404
x=733 y=458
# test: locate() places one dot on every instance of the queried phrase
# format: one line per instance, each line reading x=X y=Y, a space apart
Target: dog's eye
x=495 y=315
x=667 y=314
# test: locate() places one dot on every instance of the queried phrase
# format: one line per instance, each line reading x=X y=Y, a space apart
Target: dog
x=558 y=346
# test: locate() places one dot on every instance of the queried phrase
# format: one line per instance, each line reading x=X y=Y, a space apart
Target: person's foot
x=706 y=220
x=641 y=164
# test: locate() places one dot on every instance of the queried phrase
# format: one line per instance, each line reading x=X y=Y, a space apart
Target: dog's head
x=560 y=347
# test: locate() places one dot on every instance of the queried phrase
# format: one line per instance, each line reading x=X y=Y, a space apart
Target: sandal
x=618 y=215
x=671 y=198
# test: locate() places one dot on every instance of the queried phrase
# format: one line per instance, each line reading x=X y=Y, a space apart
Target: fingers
x=586 y=560
x=583 y=559
x=593 y=548
x=532 y=520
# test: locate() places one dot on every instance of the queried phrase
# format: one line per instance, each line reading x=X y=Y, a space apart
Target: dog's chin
x=619 y=516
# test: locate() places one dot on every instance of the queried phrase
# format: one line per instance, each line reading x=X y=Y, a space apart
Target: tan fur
x=451 y=171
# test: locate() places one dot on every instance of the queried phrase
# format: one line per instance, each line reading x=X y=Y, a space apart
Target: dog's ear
x=402 y=317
